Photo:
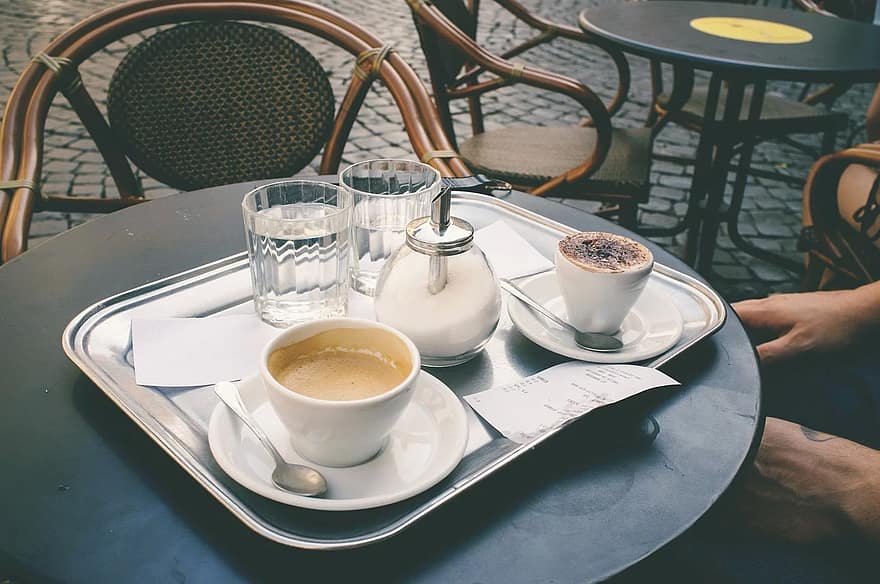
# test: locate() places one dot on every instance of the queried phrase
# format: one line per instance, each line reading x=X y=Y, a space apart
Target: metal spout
x=441 y=210
x=441 y=216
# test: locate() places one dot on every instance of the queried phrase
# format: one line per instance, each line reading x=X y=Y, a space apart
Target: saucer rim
x=586 y=355
x=246 y=478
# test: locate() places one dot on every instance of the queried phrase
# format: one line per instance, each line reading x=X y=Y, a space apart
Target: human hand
x=806 y=485
x=804 y=323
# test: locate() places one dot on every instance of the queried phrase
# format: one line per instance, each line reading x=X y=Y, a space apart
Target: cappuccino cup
x=339 y=385
x=600 y=276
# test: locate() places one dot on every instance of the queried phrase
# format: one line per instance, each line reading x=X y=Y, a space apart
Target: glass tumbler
x=387 y=195
x=298 y=238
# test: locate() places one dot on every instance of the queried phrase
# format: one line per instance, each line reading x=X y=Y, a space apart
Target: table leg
x=736 y=199
x=724 y=136
x=702 y=171
x=739 y=188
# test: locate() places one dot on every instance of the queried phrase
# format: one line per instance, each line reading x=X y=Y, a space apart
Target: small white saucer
x=425 y=445
x=652 y=326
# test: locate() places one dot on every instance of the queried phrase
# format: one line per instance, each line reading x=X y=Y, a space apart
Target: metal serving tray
x=98 y=340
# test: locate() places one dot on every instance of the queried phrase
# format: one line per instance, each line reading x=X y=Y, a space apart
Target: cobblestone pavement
x=771 y=215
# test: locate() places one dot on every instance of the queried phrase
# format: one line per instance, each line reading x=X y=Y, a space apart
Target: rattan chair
x=591 y=161
x=219 y=98
x=842 y=219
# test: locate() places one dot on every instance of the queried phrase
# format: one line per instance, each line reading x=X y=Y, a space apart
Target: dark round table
x=840 y=50
x=805 y=47
x=87 y=496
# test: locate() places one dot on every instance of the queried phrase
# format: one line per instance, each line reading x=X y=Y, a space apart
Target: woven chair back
x=211 y=103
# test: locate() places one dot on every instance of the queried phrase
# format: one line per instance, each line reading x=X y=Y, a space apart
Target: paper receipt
x=524 y=410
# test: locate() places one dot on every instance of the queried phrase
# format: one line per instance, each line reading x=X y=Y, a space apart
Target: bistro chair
x=591 y=161
x=842 y=219
x=218 y=95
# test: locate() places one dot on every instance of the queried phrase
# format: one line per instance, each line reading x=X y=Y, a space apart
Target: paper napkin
x=509 y=253
x=186 y=352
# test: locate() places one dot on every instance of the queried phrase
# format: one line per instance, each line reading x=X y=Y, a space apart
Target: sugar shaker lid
x=440 y=234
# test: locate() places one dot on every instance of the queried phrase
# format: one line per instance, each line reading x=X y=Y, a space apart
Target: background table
x=85 y=495
x=840 y=50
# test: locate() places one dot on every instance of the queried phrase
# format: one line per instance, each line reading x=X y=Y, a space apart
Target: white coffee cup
x=339 y=433
x=596 y=299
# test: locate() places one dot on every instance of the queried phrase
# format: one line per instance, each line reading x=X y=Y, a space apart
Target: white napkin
x=509 y=253
x=187 y=352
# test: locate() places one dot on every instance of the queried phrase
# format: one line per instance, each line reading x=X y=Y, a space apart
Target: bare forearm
x=807 y=485
x=840 y=474
x=862 y=505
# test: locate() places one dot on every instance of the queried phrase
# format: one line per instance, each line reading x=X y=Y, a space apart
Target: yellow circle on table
x=752 y=30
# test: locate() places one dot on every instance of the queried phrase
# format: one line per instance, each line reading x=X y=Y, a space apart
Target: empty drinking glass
x=387 y=194
x=298 y=234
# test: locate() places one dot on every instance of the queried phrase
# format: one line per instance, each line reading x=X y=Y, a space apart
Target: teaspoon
x=294 y=478
x=590 y=341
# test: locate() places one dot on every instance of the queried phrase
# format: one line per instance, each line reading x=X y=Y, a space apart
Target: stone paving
x=771 y=215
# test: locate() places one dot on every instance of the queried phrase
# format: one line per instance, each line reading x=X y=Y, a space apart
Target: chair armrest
x=827 y=95
x=820 y=189
x=510 y=73
x=550 y=30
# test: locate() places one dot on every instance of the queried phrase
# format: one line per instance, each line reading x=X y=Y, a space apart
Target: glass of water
x=298 y=234
x=387 y=195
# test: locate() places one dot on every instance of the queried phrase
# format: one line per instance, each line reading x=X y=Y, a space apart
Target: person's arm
x=807 y=486
x=862 y=505
x=809 y=322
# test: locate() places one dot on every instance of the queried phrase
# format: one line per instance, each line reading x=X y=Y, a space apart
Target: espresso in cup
x=342 y=364
x=339 y=385
x=601 y=276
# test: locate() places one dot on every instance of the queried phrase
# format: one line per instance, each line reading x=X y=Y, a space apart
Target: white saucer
x=652 y=326
x=425 y=445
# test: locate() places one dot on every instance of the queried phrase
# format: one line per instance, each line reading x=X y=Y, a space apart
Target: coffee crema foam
x=342 y=364
x=598 y=251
